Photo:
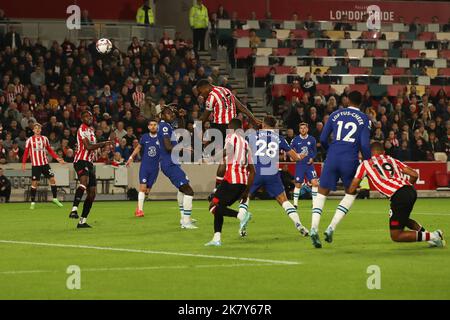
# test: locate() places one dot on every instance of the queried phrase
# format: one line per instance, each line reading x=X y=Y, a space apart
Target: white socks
x=291 y=212
x=216 y=236
x=318 y=203
x=296 y=195
x=187 y=208
x=180 y=198
x=74 y=208
x=314 y=192
x=243 y=208
x=342 y=209
x=141 y=199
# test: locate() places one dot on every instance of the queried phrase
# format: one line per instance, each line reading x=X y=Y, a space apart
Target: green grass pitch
x=152 y=258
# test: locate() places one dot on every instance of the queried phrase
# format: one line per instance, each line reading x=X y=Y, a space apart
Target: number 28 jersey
x=351 y=132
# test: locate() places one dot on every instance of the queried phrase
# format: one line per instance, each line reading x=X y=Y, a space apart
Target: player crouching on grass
x=149 y=169
x=389 y=176
x=239 y=176
x=36 y=147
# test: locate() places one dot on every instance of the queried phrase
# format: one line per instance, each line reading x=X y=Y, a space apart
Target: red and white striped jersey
x=82 y=153
x=222 y=103
x=237 y=159
x=18 y=89
x=36 y=147
x=385 y=173
x=138 y=98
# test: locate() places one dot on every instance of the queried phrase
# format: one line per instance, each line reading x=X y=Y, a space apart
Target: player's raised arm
x=25 y=154
x=327 y=129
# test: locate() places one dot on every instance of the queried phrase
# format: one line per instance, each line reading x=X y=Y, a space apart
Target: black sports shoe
x=73 y=215
x=295 y=207
x=83 y=225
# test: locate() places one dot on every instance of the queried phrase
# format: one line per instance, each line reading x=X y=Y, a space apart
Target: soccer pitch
x=123 y=257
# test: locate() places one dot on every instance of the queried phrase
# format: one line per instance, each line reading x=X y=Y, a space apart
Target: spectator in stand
x=415 y=26
x=310 y=24
x=3 y=17
x=254 y=40
x=343 y=25
x=144 y=14
x=222 y=13
x=12 y=39
x=235 y=22
x=199 y=20
x=213 y=24
x=85 y=19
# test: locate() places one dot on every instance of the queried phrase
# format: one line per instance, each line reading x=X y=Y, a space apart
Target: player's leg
x=188 y=196
x=51 y=176
x=90 y=197
x=143 y=191
x=347 y=174
x=299 y=177
x=415 y=226
x=224 y=197
x=87 y=205
x=291 y=213
x=82 y=173
x=402 y=203
x=311 y=175
x=33 y=191
x=35 y=177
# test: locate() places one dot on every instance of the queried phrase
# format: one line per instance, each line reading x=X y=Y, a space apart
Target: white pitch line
x=236 y=265
x=43 y=244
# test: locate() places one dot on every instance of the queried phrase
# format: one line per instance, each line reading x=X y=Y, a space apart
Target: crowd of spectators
x=53 y=85
x=123 y=90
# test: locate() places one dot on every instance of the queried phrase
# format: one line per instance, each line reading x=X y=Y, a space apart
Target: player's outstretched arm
x=94 y=146
x=247 y=112
x=365 y=143
x=205 y=116
x=413 y=175
x=295 y=156
x=134 y=154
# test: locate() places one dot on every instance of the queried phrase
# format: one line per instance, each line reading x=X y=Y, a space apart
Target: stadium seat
x=435 y=89
x=412 y=53
x=418 y=44
x=347 y=79
x=242 y=53
x=290 y=61
x=378 y=90
x=423 y=80
x=440 y=156
x=309 y=43
x=302 y=51
x=420 y=90
x=445 y=71
x=440 y=63
x=283 y=69
x=339 y=70
x=262 y=61
x=302 y=70
x=394 y=53
x=339 y=88
x=252 y=24
x=280 y=79
x=261 y=71
x=378 y=53
x=283 y=34
x=335 y=34
x=324 y=87
x=361 y=88
x=426 y=36
x=264 y=51
x=403 y=62
x=224 y=24
x=357 y=53
x=378 y=70
x=271 y=43
x=264 y=33
x=357 y=70
x=301 y=34
x=243 y=42
x=321 y=52
x=346 y=44
x=432 y=72
x=432 y=27
x=289 y=25
x=443 y=36
x=410 y=35
x=366 y=62
x=445 y=54
x=430 y=53
x=242 y=33
x=391 y=36
x=386 y=80
x=361 y=26
x=393 y=90
x=399 y=27
x=326 y=25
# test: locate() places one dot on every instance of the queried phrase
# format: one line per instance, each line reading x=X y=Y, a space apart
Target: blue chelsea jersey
x=305 y=145
x=351 y=133
x=151 y=150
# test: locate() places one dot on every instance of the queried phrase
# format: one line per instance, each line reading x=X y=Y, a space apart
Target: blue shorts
x=148 y=175
x=333 y=169
x=302 y=170
x=175 y=174
x=272 y=184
